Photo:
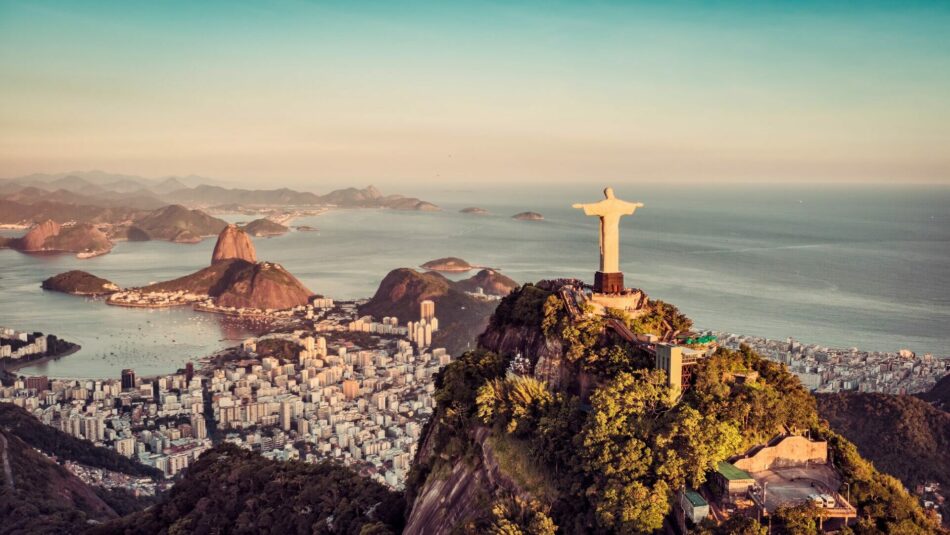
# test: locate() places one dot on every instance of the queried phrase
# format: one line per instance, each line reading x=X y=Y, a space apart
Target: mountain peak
x=233 y=243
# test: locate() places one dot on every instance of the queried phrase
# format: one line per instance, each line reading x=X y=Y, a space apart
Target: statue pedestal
x=608 y=283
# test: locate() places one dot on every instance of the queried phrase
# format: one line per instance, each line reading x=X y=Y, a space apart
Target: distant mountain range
x=102 y=189
x=116 y=207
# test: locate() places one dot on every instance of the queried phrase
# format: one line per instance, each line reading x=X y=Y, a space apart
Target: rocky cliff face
x=446 y=504
x=233 y=244
x=546 y=354
x=83 y=238
x=35 y=239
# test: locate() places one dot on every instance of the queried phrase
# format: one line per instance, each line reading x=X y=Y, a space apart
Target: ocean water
x=865 y=267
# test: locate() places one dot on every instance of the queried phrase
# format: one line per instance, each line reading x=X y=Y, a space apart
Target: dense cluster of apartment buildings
x=18 y=344
x=350 y=389
x=824 y=369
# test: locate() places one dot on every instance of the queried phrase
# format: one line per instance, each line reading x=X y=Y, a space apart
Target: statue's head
x=609 y=192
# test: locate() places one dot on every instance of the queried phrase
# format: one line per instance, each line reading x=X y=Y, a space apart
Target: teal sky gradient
x=387 y=92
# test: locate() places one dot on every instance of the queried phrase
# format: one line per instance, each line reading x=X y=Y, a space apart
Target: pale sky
x=306 y=93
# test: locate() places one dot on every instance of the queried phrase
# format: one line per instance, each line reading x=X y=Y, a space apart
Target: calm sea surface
x=866 y=267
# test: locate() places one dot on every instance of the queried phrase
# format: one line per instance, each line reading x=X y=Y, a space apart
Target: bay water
x=857 y=266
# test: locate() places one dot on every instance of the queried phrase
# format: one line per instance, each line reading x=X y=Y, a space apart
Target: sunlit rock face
x=35 y=239
x=233 y=244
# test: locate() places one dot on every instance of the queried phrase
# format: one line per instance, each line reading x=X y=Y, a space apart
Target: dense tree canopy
x=615 y=458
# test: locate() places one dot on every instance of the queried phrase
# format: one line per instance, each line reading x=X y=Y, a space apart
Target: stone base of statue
x=608 y=283
x=631 y=301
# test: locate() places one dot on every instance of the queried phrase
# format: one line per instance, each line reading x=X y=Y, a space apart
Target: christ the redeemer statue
x=609 y=279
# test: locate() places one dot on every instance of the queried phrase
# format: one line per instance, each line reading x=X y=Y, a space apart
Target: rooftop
x=694 y=498
x=730 y=472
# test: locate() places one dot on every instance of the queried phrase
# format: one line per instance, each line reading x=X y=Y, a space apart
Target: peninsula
x=235 y=283
x=83 y=239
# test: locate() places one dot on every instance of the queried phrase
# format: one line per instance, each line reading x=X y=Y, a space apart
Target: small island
x=305 y=228
x=78 y=282
x=449 y=263
x=264 y=228
x=474 y=210
x=528 y=216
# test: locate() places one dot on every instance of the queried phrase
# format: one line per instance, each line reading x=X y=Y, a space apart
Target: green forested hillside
x=903 y=435
x=230 y=490
x=611 y=461
x=22 y=424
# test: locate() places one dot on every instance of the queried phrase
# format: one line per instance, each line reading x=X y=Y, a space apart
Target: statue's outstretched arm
x=589 y=209
x=631 y=207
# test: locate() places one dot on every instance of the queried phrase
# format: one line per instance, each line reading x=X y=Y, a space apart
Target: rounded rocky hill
x=175 y=223
x=490 y=281
x=83 y=238
x=461 y=316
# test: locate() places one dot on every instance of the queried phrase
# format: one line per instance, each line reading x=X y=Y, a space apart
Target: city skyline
x=320 y=94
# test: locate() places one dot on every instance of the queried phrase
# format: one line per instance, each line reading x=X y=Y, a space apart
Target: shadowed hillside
x=939 y=395
x=461 y=316
x=902 y=435
x=230 y=490
x=18 y=422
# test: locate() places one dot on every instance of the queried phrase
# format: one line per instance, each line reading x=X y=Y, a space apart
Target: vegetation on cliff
x=230 y=490
x=39 y=496
x=612 y=446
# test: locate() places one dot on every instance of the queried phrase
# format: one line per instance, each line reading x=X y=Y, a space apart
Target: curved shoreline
x=26 y=361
